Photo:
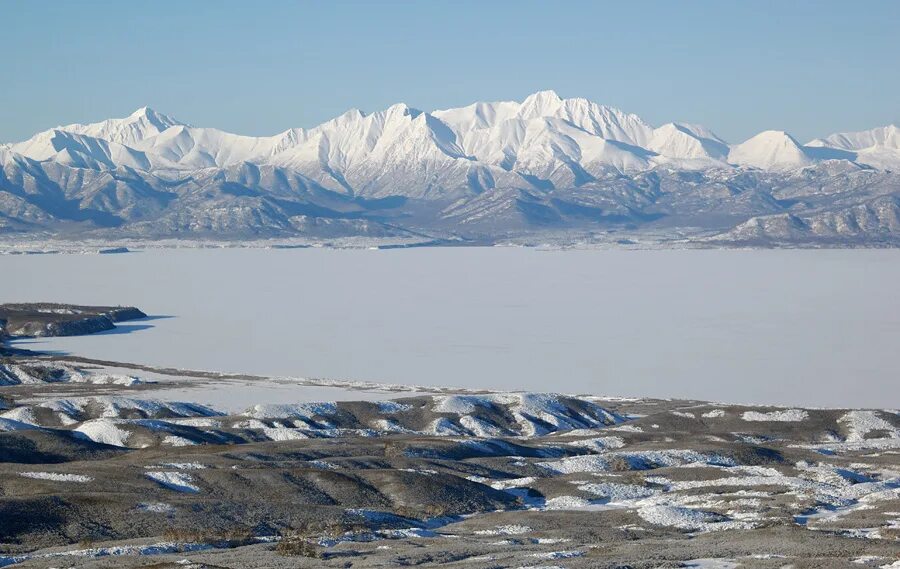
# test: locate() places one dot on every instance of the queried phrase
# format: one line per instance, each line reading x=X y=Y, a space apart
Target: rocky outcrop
x=46 y=319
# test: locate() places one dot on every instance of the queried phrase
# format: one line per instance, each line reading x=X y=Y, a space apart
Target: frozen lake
x=818 y=328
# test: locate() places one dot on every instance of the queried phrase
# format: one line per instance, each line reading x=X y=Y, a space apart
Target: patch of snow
x=180 y=465
x=599 y=443
x=56 y=476
x=627 y=429
x=176 y=441
x=684 y=414
x=156 y=507
x=616 y=492
x=558 y=554
x=283 y=434
x=512 y=483
x=177 y=481
x=566 y=503
x=688 y=519
x=249 y=424
x=505 y=530
x=784 y=415
x=572 y=464
x=392 y=407
x=710 y=563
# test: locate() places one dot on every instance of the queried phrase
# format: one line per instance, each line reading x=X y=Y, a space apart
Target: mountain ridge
x=516 y=168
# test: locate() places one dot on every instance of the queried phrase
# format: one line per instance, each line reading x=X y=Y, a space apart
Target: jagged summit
x=144 y=111
x=540 y=104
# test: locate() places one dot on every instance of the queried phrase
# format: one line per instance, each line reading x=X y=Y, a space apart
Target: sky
x=808 y=67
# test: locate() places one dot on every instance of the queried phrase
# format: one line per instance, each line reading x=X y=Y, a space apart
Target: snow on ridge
x=13 y=374
x=72 y=410
x=283 y=434
x=480 y=427
x=485 y=415
x=635 y=460
x=860 y=423
x=532 y=411
x=292 y=410
x=784 y=415
x=105 y=431
x=105 y=379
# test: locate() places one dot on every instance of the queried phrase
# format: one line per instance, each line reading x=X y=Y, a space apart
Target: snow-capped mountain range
x=487 y=171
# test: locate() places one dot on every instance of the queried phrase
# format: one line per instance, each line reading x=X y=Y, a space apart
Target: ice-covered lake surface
x=794 y=327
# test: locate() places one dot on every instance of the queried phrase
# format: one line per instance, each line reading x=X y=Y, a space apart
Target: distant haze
x=815 y=327
x=809 y=67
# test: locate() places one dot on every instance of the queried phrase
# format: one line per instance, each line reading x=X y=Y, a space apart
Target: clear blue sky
x=808 y=67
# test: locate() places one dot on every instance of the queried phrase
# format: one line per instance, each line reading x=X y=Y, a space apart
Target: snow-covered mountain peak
x=770 y=150
x=540 y=104
x=352 y=115
x=775 y=136
x=146 y=112
x=686 y=142
x=401 y=110
x=699 y=131
x=139 y=125
x=885 y=136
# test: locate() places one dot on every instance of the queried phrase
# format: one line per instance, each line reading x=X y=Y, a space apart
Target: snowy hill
x=770 y=150
x=488 y=169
